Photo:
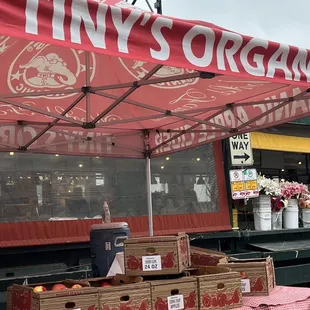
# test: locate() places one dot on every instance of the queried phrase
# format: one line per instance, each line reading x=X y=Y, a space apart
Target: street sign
x=241 y=150
x=243 y=183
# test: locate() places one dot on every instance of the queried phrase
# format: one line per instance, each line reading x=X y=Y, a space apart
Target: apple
x=76 y=286
x=243 y=275
x=105 y=284
x=39 y=288
x=59 y=287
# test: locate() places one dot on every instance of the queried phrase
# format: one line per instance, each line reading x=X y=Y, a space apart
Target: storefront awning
x=284 y=143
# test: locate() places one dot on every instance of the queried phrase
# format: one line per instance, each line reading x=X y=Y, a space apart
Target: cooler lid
x=103 y=226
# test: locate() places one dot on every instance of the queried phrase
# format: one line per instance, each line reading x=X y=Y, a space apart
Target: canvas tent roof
x=109 y=79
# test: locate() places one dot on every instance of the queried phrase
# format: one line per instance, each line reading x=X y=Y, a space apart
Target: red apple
x=77 y=286
x=243 y=275
x=59 y=287
x=39 y=288
x=105 y=284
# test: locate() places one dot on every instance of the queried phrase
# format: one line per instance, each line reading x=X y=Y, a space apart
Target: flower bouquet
x=277 y=206
x=293 y=190
x=267 y=186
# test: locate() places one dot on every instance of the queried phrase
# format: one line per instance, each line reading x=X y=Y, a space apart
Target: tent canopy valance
x=105 y=78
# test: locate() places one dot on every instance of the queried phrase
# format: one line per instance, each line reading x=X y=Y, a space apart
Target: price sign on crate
x=151 y=263
x=245 y=286
x=175 y=302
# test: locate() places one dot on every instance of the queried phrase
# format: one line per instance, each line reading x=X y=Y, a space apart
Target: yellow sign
x=251 y=185
x=237 y=186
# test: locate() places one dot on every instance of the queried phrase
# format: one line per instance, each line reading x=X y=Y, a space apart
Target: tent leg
x=149 y=195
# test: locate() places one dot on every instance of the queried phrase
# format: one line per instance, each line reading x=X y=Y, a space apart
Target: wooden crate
x=167 y=254
x=257 y=275
x=218 y=288
x=85 y=298
x=9 y=298
x=204 y=257
x=184 y=289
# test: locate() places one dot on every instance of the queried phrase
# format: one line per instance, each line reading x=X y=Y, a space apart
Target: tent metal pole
x=126 y=94
x=188 y=130
x=285 y=102
x=149 y=196
x=88 y=104
x=42 y=112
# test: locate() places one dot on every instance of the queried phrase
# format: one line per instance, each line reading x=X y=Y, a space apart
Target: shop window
x=274 y=164
x=44 y=187
x=186 y=182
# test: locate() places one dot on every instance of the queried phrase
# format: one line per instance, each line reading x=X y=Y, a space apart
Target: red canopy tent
x=108 y=79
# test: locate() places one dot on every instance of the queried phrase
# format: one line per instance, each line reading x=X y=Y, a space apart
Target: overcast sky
x=285 y=21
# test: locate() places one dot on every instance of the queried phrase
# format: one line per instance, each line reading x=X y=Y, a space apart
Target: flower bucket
x=263 y=201
x=276 y=220
x=305 y=217
x=262 y=218
x=291 y=215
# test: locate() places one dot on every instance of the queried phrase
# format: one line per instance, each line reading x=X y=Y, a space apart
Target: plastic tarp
x=105 y=78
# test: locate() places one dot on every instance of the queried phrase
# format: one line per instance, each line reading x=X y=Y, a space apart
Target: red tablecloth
x=281 y=298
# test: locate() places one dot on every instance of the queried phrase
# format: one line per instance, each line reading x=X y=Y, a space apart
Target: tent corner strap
x=88 y=125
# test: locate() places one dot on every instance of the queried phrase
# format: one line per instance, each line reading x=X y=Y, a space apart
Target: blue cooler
x=106 y=240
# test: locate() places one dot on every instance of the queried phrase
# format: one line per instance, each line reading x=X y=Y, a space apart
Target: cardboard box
x=85 y=298
x=218 y=288
x=257 y=275
x=127 y=296
x=179 y=293
x=151 y=256
x=119 y=279
x=204 y=257
x=122 y=292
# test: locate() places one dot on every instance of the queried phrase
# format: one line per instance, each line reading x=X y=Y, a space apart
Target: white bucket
x=276 y=220
x=305 y=217
x=263 y=201
x=262 y=218
x=291 y=215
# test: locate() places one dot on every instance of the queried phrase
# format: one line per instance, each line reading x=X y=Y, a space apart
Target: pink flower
x=293 y=189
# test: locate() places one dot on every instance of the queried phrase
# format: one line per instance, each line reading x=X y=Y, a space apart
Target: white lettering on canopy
x=58 y=20
x=219 y=49
x=229 y=120
x=278 y=61
x=96 y=32
x=18 y=136
x=222 y=50
x=206 y=58
x=300 y=64
x=259 y=70
x=31 y=14
x=164 y=52
x=123 y=28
